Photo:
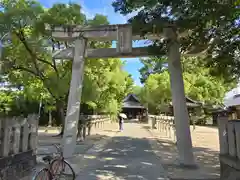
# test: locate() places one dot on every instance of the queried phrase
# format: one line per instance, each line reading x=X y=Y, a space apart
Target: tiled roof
x=128 y=103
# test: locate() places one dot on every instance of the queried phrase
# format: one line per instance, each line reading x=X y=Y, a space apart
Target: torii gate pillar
x=181 y=117
x=74 y=99
x=124 y=36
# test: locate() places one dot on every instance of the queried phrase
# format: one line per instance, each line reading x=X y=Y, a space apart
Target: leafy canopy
x=199 y=85
x=210 y=26
x=27 y=60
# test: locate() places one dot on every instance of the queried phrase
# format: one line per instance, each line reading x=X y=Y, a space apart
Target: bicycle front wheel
x=43 y=174
x=61 y=169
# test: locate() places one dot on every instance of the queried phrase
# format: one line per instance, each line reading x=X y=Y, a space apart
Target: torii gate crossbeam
x=124 y=36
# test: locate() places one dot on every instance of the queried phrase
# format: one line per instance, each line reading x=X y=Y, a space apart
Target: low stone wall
x=229 y=138
x=89 y=124
x=18 y=165
x=164 y=124
x=18 y=146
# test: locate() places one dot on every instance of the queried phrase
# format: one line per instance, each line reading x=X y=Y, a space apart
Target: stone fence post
x=90 y=124
x=164 y=124
x=222 y=121
x=229 y=139
x=19 y=138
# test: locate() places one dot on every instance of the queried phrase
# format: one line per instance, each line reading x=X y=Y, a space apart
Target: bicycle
x=56 y=167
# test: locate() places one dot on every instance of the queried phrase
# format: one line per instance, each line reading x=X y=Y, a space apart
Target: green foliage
x=212 y=26
x=13 y=103
x=27 y=60
x=6 y=101
x=199 y=85
x=209 y=26
x=105 y=83
x=156 y=92
x=136 y=90
x=98 y=20
x=151 y=66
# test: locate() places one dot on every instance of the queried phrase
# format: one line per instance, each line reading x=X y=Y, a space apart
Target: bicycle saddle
x=47 y=158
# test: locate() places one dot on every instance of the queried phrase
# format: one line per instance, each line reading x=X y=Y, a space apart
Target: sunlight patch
x=109 y=158
x=108 y=150
x=89 y=157
x=106 y=175
x=117 y=166
x=146 y=163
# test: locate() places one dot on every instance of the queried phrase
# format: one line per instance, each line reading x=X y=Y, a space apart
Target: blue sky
x=92 y=7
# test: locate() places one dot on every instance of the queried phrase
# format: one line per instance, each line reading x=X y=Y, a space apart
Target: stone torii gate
x=124 y=36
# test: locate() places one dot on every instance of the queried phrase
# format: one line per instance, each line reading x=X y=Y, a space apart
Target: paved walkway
x=95 y=142
x=129 y=155
x=135 y=153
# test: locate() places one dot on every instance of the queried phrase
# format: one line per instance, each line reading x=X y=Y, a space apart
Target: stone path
x=94 y=142
x=129 y=155
x=136 y=153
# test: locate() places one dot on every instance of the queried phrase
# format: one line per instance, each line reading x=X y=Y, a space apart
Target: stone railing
x=90 y=124
x=229 y=139
x=164 y=124
x=19 y=137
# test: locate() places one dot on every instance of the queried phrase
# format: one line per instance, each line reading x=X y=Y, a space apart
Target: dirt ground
x=205 y=136
x=206 y=151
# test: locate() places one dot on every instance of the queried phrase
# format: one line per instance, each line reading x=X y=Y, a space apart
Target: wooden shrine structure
x=191 y=104
x=124 y=35
x=132 y=107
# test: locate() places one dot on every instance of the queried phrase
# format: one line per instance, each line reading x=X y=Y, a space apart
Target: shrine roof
x=132 y=101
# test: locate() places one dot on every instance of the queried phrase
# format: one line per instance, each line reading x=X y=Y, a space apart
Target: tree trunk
x=61 y=116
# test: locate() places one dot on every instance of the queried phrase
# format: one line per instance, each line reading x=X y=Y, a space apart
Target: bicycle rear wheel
x=61 y=169
x=43 y=174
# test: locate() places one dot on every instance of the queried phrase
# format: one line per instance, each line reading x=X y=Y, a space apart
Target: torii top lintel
x=101 y=32
x=121 y=32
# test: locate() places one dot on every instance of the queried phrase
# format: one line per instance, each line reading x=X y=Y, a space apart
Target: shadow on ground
x=207 y=160
x=123 y=158
x=46 y=141
x=132 y=158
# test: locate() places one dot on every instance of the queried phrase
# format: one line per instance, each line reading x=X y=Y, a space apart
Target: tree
x=156 y=92
x=14 y=103
x=104 y=83
x=28 y=63
x=151 y=66
x=136 y=90
x=25 y=24
x=207 y=25
x=199 y=83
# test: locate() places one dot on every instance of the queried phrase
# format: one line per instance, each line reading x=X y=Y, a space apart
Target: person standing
x=120 y=121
